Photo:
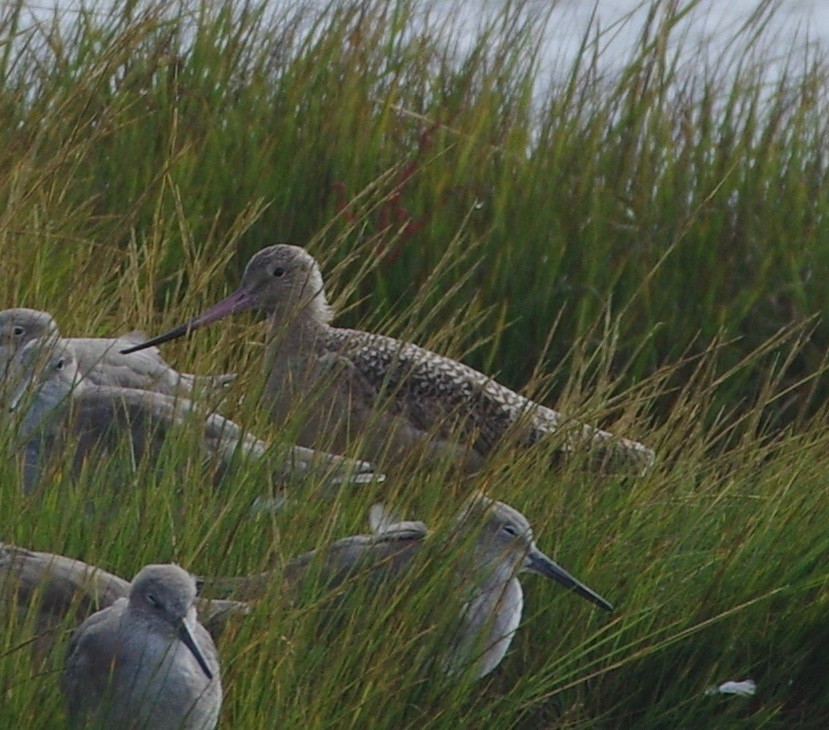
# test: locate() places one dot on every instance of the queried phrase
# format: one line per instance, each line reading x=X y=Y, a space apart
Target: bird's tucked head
x=165 y=597
x=166 y=591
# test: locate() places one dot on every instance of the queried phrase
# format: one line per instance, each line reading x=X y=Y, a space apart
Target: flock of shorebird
x=140 y=657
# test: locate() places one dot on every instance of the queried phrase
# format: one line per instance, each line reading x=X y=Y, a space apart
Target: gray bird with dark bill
x=45 y=590
x=393 y=395
x=99 y=359
x=489 y=544
x=145 y=661
x=57 y=406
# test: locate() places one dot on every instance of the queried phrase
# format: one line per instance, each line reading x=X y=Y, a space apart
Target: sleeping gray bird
x=145 y=661
x=489 y=544
x=393 y=395
x=99 y=359
x=45 y=590
x=57 y=406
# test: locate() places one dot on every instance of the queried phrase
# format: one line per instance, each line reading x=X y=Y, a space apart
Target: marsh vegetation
x=648 y=251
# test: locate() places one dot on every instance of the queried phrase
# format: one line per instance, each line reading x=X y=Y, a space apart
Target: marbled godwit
x=99 y=359
x=45 y=590
x=394 y=395
x=145 y=661
x=489 y=544
x=58 y=406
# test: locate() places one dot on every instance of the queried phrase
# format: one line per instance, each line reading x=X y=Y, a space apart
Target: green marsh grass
x=646 y=249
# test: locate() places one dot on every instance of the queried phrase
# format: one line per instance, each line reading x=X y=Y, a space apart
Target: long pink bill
x=239 y=301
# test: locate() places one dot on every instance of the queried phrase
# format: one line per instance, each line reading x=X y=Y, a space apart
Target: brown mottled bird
x=393 y=395
x=99 y=359
x=58 y=407
x=489 y=544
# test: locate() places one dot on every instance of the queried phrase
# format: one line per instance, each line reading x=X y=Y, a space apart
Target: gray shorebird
x=58 y=406
x=489 y=544
x=393 y=395
x=145 y=661
x=381 y=519
x=99 y=359
x=45 y=590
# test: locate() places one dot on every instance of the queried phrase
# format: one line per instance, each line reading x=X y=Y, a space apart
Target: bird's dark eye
x=18 y=331
x=278 y=271
x=59 y=364
x=153 y=601
x=510 y=530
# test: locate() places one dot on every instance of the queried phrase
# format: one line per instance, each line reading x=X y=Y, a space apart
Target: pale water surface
x=618 y=23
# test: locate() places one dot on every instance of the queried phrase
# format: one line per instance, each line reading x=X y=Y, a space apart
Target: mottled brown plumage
x=395 y=396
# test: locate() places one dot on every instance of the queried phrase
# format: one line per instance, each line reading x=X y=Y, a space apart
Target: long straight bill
x=239 y=301
x=188 y=640
x=538 y=562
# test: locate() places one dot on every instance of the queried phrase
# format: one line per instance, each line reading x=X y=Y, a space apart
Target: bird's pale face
x=506 y=539
x=19 y=326
x=280 y=277
x=42 y=376
x=496 y=537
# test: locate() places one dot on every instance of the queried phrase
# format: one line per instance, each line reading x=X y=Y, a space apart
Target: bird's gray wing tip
x=380 y=517
x=384 y=521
